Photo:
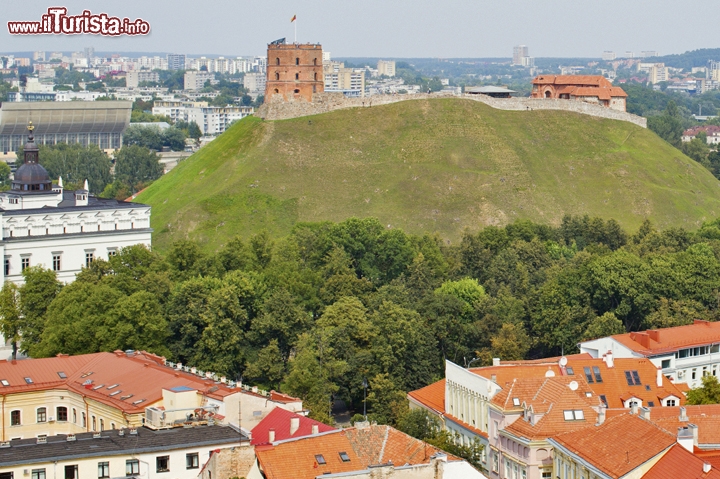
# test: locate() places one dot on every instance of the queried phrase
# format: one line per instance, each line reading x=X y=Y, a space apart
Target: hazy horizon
x=399 y=29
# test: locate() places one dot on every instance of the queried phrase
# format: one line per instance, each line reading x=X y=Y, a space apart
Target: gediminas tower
x=294 y=71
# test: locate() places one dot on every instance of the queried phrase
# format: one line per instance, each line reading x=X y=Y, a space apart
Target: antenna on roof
x=563 y=361
x=573 y=385
x=550 y=373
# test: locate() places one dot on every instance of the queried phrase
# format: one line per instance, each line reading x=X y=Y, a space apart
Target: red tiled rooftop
x=279 y=421
x=431 y=396
x=667 y=340
x=612 y=449
x=679 y=463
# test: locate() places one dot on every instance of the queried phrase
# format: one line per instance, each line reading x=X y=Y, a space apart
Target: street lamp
x=365 y=386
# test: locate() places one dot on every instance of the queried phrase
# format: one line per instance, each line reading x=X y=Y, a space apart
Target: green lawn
x=440 y=165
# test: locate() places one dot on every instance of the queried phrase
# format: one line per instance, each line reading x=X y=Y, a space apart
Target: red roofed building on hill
x=685 y=353
x=594 y=89
x=712 y=132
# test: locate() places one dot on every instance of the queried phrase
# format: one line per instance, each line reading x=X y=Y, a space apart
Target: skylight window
x=596 y=372
x=98 y=387
x=632 y=378
x=4 y=382
x=320 y=459
x=647 y=387
x=344 y=456
x=636 y=377
x=570 y=371
x=651 y=403
x=588 y=375
x=603 y=399
x=588 y=394
x=62 y=375
x=29 y=380
x=126 y=397
x=516 y=401
x=113 y=386
x=138 y=401
x=86 y=375
x=574 y=415
x=115 y=393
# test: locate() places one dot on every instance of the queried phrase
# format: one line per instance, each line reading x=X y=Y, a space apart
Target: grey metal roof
x=51 y=117
x=58 y=448
x=68 y=204
x=488 y=89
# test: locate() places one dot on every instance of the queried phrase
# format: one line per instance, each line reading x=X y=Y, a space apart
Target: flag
x=293 y=18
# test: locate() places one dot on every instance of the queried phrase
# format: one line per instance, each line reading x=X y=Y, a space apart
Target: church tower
x=294 y=71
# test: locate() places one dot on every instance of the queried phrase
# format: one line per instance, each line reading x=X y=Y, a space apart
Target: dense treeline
x=315 y=313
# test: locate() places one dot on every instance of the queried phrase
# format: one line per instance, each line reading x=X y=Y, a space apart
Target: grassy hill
x=427 y=166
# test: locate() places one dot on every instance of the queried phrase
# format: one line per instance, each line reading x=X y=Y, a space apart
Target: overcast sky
x=389 y=28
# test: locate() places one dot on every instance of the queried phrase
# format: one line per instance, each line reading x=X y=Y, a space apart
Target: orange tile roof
x=612 y=449
x=549 y=399
x=584 y=80
x=431 y=396
x=666 y=340
x=711 y=456
x=706 y=417
x=142 y=375
x=367 y=446
x=679 y=463
x=278 y=420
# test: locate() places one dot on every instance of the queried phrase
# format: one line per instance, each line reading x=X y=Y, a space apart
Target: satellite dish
x=573 y=385
x=563 y=361
x=550 y=373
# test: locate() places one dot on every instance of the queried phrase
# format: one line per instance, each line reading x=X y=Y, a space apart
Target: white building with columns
x=44 y=224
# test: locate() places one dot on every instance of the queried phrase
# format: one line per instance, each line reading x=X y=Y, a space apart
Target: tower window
x=297 y=76
x=297 y=61
x=277 y=76
x=315 y=76
x=314 y=61
x=297 y=91
x=277 y=61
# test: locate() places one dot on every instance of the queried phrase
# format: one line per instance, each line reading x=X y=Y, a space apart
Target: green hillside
x=428 y=166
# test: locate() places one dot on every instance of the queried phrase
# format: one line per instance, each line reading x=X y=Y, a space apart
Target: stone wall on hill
x=277 y=109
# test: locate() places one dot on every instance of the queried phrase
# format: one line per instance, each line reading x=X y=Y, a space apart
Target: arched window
x=314 y=61
x=315 y=76
x=62 y=414
x=277 y=76
x=277 y=91
x=297 y=61
x=74 y=416
x=297 y=91
x=84 y=420
x=94 y=424
x=277 y=61
x=547 y=94
x=297 y=76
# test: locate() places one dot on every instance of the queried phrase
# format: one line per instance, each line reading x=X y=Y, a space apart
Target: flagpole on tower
x=293 y=20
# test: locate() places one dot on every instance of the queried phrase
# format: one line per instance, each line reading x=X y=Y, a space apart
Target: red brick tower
x=294 y=71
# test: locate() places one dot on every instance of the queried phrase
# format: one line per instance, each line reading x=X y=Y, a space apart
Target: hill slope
x=424 y=166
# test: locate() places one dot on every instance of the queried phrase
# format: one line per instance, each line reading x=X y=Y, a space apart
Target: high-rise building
x=348 y=81
x=89 y=53
x=39 y=56
x=134 y=78
x=658 y=73
x=255 y=82
x=176 y=61
x=196 y=80
x=608 y=56
x=386 y=67
x=294 y=70
x=519 y=52
x=712 y=72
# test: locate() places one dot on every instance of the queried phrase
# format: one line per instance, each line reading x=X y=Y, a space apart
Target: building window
x=89 y=259
x=42 y=414
x=84 y=420
x=162 y=463
x=103 y=470
x=192 y=460
x=74 y=416
x=297 y=76
x=94 y=424
x=15 y=418
x=62 y=413
x=24 y=264
x=132 y=467
x=6 y=475
x=277 y=76
x=7 y=266
x=670 y=402
x=277 y=61
x=665 y=363
x=102 y=424
x=38 y=474
x=495 y=462
x=297 y=61
x=71 y=472
x=56 y=262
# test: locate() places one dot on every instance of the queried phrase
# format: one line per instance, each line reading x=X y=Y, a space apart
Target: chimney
x=493 y=378
x=694 y=429
x=659 y=379
x=271 y=435
x=496 y=361
x=315 y=429
x=654 y=334
x=685 y=438
x=641 y=338
x=707 y=468
x=608 y=358
x=601 y=416
x=294 y=425
x=645 y=413
x=634 y=408
x=683 y=414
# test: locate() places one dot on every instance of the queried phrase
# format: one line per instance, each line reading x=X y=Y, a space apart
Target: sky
x=387 y=28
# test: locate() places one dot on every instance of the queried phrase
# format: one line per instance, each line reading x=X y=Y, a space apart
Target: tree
x=4 y=176
x=668 y=126
x=174 y=138
x=147 y=136
x=36 y=294
x=269 y=367
x=75 y=164
x=709 y=393
x=603 y=326
x=387 y=401
x=510 y=343
x=137 y=166
x=10 y=316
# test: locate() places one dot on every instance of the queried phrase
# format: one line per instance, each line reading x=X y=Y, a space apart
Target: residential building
x=624 y=446
x=519 y=52
x=281 y=424
x=685 y=353
x=361 y=452
x=649 y=53
x=105 y=391
x=13 y=96
x=608 y=56
x=212 y=120
x=134 y=78
x=386 y=67
x=679 y=463
x=99 y=123
x=175 y=61
x=255 y=82
x=348 y=81
x=133 y=452
x=195 y=80
x=712 y=132
x=658 y=73
x=712 y=71
x=294 y=71
x=38 y=56
x=594 y=89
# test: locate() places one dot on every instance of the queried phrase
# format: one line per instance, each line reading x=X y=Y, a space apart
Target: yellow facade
x=58 y=411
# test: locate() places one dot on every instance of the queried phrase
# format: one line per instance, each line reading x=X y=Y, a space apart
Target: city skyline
x=402 y=29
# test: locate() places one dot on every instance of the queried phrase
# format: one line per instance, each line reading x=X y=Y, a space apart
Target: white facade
x=255 y=82
x=196 y=80
x=212 y=120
